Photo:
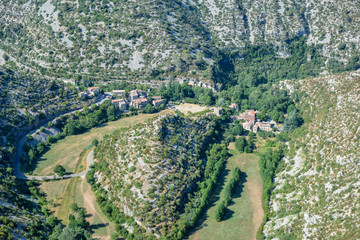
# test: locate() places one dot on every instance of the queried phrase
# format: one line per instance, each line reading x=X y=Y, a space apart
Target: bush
x=59 y=170
x=95 y=142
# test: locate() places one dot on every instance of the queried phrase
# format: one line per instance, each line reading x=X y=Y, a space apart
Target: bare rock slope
x=317 y=192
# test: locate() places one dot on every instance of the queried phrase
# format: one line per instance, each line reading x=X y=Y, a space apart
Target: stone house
x=139 y=103
x=234 y=106
x=248 y=116
x=158 y=102
x=82 y=94
x=93 y=91
x=218 y=111
x=120 y=104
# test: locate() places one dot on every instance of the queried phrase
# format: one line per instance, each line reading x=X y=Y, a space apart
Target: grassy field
x=66 y=151
x=245 y=213
x=65 y=192
x=188 y=108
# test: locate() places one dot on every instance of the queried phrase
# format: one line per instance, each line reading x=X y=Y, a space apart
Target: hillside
x=317 y=186
x=147 y=170
x=166 y=38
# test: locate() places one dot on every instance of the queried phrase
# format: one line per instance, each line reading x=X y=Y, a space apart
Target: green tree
x=220 y=211
x=292 y=121
x=95 y=142
x=59 y=170
x=240 y=144
x=74 y=207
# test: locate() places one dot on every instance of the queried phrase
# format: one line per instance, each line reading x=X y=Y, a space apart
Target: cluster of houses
x=248 y=119
x=137 y=99
x=250 y=123
x=90 y=93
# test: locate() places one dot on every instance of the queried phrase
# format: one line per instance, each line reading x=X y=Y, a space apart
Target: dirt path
x=255 y=193
x=90 y=206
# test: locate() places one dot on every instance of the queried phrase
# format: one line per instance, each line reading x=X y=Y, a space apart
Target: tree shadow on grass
x=94 y=227
x=228 y=214
x=240 y=188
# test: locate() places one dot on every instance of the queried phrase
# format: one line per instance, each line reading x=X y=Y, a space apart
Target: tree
x=238 y=129
x=292 y=121
x=219 y=213
x=32 y=155
x=59 y=170
x=240 y=144
x=149 y=109
x=95 y=142
x=74 y=207
x=111 y=113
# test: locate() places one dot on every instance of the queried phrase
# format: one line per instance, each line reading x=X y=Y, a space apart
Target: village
x=248 y=119
x=137 y=99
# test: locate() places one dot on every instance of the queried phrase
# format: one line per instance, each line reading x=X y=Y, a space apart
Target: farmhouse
x=82 y=94
x=93 y=91
x=158 y=102
x=156 y=98
x=250 y=122
x=234 y=106
x=120 y=104
x=139 y=103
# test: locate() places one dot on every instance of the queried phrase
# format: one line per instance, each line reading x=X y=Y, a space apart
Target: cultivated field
x=244 y=214
x=66 y=151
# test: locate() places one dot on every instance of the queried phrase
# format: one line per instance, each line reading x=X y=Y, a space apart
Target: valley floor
x=245 y=213
x=65 y=192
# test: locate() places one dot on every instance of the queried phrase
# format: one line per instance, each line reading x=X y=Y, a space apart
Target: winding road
x=19 y=148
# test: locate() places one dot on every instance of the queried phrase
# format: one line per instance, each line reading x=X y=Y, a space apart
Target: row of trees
x=194 y=208
x=268 y=166
x=228 y=194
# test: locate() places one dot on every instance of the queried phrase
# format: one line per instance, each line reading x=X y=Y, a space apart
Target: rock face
x=125 y=36
x=42 y=136
x=147 y=170
x=317 y=192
